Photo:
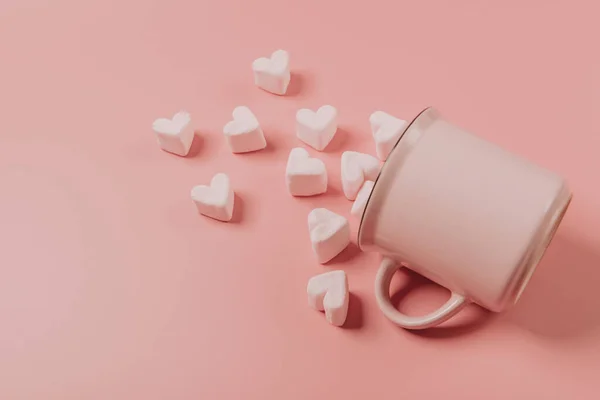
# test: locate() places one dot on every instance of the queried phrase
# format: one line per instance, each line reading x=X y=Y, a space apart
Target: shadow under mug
x=462 y=212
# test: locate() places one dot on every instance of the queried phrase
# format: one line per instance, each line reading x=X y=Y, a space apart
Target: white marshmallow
x=386 y=130
x=305 y=176
x=356 y=169
x=358 y=207
x=175 y=135
x=329 y=233
x=244 y=133
x=329 y=292
x=216 y=200
x=273 y=74
x=316 y=129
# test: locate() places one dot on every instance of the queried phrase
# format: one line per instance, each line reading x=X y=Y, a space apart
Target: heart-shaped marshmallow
x=175 y=135
x=244 y=133
x=356 y=169
x=329 y=292
x=329 y=233
x=386 y=129
x=273 y=74
x=305 y=176
x=358 y=207
x=316 y=129
x=216 y=200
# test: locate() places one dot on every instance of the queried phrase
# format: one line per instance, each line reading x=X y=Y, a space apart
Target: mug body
x=463 y=212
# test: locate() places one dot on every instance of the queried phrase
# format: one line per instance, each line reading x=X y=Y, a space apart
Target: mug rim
x=362 y=226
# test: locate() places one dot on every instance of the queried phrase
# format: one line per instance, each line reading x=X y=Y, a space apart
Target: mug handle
x=387 y=269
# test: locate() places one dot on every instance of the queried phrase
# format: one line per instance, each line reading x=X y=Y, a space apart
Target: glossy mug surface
x=462 y=212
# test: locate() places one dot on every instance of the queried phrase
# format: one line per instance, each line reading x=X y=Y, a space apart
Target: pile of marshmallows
x=305 y=176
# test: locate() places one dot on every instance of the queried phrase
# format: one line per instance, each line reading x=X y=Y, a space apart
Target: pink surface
x=112 y=287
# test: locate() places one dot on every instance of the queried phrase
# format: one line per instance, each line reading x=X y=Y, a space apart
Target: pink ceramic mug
x=462 y=212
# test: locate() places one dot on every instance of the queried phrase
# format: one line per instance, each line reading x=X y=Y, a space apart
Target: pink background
x=111 y=287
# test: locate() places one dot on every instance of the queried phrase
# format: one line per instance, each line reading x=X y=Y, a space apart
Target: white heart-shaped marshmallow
x=316 y=129
x=329 y=233
x=329 y=292
x=215 y=201
x=243 y=133
x=386 y=130
x=172 y=126
x=358 y=207
x=356 y=169
x=273 y=74
x=277 y=64
x=175 y=135
x=305 y=176
x=318 y=120
x=300 y=162
x=243 y=121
